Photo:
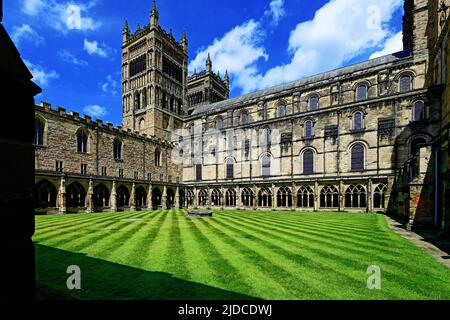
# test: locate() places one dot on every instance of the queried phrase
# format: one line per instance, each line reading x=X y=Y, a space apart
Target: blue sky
x=73 y=48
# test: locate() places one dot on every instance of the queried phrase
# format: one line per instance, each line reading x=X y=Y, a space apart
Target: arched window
x=419 y=111
x=357 y=157
x=308 y=129
x=101 y=196
x=379 y=196
x=230 y=168
x=329 y=197
x=313 y=103
x=247 y=197
x=45 y=195
x=39 y=127
x=415 y=145
x=357 y=120
x=361 y=92
x=216 y=197
x=281 y=111
x=355 y=197
x=157 y=158
x=265 y=165
x=308 y=162
x=82 y=141
x=117 y=146
x=189 y=197
x=305 y=197
x=123 y=196
x=75 y=195
x=244 y=118
x=265 y=197
x=203 y=198
x=284 y=197
x=405 y=83
x=266 y=137
x=141 y=125
x=141 y=197
x=137 y=101
x=264 y=112
x=219 y=123
x=230 y=198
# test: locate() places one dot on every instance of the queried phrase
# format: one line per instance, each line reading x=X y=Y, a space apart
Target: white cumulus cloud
x=237 y=51
x=93 y=48
x=95 y=110
x=276 y=11
x=340 y=31
x=62 y=15
x=40 y=75
x=110 y=86
x=25 y=32
x=392 y=45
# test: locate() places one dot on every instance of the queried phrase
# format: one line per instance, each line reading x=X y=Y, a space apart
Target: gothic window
x=101 y=196
x=141 y=125
x=244 y=118
x=355 y=197
x=308 y=129
x=357 y=121
x=357 y=157
x=379 y=196
x=216 y=197
x=230 y=198
x=329 y=197
x=264 y=112
x=246 y=148
x=266 y=137
x=281 y=112
x=308 y=162
x=172 y=103
x=313 y=103
x=203 y=198
x=75 y=195
x=144 y=98
x=230 y=168
x=284 y=197
x=405 y=83
x=198 y=172
x=265 y=165
x=419 y=111
x=219 y=123
x=39 y=132
x=305 y=197
x=247 y=197
x=157 y=158
x=117 y=146
x=265 y=197
x=138 y=65
x=82 y=141
x=361 y=92
x=190 y=197
x=386 y=127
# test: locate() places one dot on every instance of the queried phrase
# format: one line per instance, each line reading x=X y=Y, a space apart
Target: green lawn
x=235 y=255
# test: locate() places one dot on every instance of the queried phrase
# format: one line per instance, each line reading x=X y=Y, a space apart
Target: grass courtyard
x=234 y=255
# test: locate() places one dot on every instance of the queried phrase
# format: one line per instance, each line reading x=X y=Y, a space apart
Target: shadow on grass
x=102 y=280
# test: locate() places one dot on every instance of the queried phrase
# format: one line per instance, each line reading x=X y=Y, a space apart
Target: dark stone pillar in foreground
x=17 y=93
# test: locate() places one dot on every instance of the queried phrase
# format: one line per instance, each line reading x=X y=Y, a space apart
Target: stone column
x=209 y=202
x=195 y=198
x=150 y=197
x=294 y=196
x=90 y=197
x=274 y=197
x=62 y=196
x=238 y=200
x=341 y=196
x=177 y=198
x=113 y=198
x=222 y=197
x=316 y=196
x=369 y=196
x=133 y=198
x=255 y=197
x=164 y=199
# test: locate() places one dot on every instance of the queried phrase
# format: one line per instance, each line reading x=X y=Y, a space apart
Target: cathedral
x=369 y=137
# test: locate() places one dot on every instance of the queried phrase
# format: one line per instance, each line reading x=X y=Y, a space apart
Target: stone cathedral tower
x=154 y=75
